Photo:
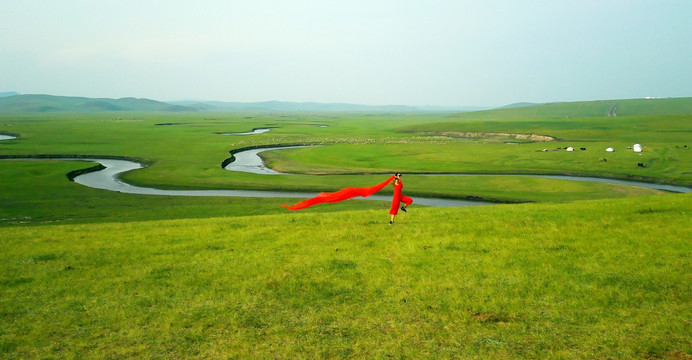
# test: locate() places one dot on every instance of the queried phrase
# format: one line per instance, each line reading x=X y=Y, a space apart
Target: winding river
x=107 y=179
x=249 y=161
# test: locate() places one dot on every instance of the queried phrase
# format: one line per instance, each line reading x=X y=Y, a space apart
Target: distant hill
x=15 y=103
x=12 y=102
x=50 y=103
x=288 y=106
x=604 y=108
x=518 y=105
x=312 y=107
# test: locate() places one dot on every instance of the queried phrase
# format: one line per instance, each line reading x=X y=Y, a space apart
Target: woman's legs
x=407 y=201
x=395 y=208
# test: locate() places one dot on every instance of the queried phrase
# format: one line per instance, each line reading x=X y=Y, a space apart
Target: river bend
x=107 y=179
x=249 y=161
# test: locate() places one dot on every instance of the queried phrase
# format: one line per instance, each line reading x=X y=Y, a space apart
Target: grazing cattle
x=582 y=149
x=604 y=159
x=640 y=164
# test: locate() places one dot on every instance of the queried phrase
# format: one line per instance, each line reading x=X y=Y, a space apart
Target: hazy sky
x=485 y=53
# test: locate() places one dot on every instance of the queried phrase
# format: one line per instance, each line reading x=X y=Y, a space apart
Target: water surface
x=249 y=161
x=253 y=132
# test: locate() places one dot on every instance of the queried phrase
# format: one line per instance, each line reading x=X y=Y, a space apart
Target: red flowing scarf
x=343 y=194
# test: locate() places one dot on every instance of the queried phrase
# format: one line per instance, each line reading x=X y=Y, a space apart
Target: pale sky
x=376 y=52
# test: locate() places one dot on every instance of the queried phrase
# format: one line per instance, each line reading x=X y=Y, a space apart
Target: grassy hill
x=49 y=103
x=591 y=279
x=579 y=109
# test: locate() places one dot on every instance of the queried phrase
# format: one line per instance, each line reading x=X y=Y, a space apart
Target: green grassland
x=588 y=279
x=189 y=154
x=586 y=270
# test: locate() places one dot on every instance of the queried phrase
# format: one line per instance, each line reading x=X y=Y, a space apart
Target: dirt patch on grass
x=494 y=136
x=492 y=318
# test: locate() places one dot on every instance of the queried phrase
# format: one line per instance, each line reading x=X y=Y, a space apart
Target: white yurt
x=610 y=149
x=637 y=147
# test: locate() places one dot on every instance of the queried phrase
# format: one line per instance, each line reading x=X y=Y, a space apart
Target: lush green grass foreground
x=590 y=279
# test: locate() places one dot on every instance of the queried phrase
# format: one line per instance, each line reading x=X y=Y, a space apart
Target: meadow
x=587 y=279
x=564 y=269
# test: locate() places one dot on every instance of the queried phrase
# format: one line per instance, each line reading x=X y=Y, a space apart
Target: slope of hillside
x=601 y=108
x=591 y=279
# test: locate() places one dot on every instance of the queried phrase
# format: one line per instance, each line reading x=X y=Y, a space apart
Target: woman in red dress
x=398 y=198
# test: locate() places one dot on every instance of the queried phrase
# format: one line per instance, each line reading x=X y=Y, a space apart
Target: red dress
x=398 y=198
x=341 y=195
